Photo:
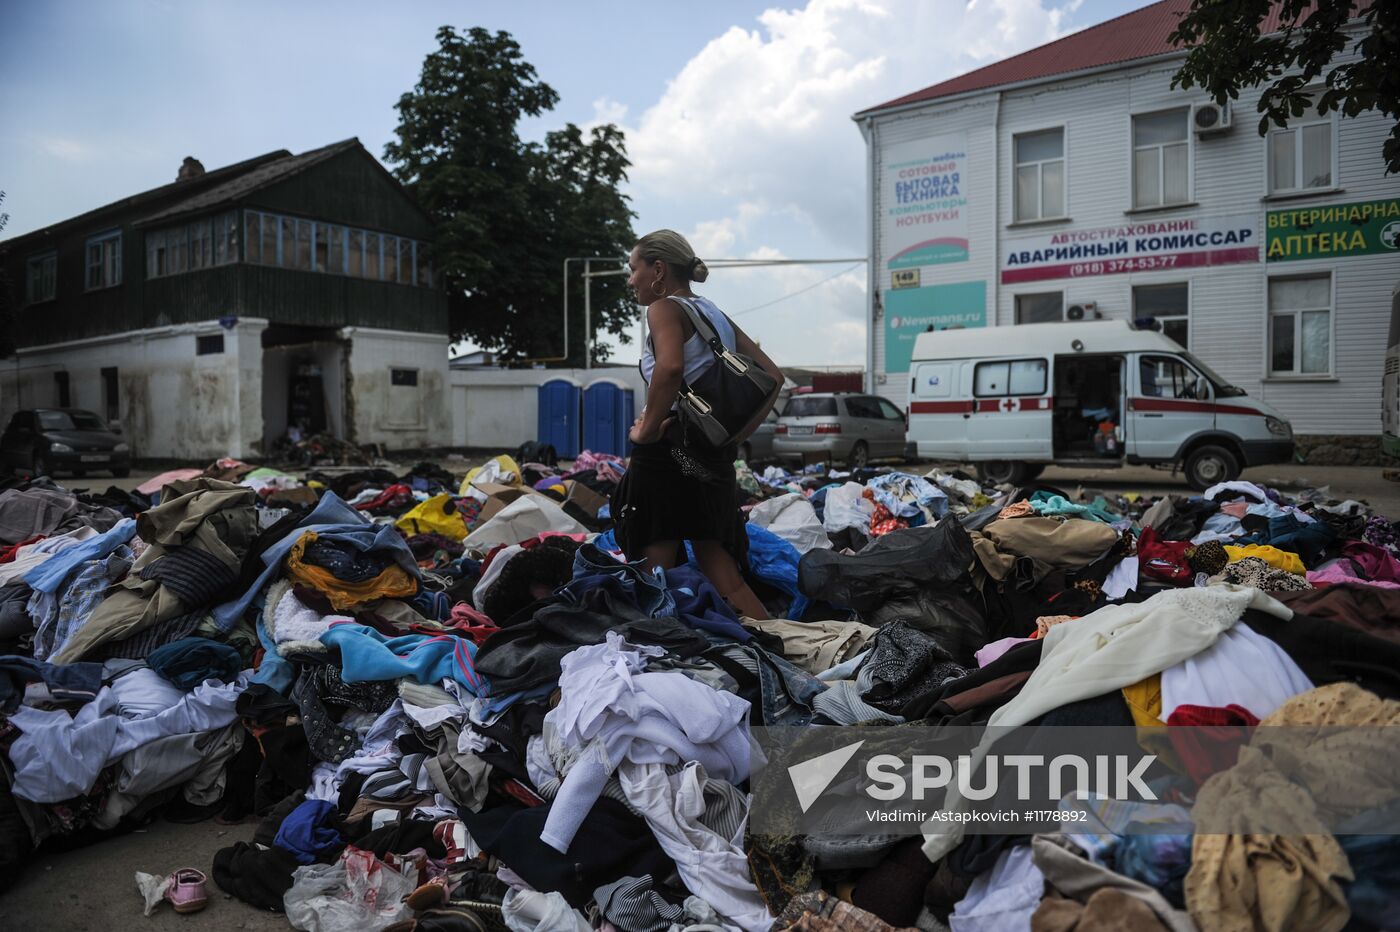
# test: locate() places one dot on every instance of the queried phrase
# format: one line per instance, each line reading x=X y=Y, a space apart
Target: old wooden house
x=212 y=315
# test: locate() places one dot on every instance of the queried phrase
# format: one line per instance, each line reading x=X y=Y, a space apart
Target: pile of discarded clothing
x=451 y=702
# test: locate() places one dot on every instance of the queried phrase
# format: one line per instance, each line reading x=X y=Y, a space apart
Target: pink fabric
x=1340 y=572
x=1373 y=562
x=160 y=482
x=609 y=468
x=470 y=623
x=995 y=649
x=1235 y=509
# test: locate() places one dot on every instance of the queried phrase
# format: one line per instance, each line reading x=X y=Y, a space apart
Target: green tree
x=508 y=212
x=1229 y=52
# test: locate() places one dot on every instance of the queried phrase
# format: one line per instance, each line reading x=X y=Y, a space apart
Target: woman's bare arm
x=668 y=345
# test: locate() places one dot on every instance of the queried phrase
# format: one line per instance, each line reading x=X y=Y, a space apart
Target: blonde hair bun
x=670 y=247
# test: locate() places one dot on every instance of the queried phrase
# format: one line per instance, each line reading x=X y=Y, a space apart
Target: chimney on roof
x=191 y=167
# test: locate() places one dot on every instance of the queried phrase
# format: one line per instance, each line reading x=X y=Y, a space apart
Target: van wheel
x=1002 y=472
x=860 y=456
x=1208 y=465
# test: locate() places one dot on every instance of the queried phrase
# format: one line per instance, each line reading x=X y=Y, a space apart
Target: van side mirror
x=1202 y=387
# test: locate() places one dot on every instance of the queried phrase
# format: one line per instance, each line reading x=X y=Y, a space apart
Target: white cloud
x=607 y=110
x=752 y=150
x=64 y=149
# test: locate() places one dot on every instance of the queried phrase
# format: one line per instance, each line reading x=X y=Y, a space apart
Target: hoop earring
x=658 y=288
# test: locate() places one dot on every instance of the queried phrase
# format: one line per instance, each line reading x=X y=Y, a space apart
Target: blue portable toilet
x=607 y=416
x=560 y=404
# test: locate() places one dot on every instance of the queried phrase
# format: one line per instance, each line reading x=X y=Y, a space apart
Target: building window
x=209 y=345
x=1040 y=175
x=41 y=278
x=355 y=254
x=1168 y=305
x=313 y=245
x=1161 y=158
x=226 y=238
x=252 y=237
x=1044 y=308
x=372 y=255
x=1300 y=325
x=404 y=377
x=271 y=240
x=201 y=244
x=104 y=261
x=391 y=258
x=1300 y=157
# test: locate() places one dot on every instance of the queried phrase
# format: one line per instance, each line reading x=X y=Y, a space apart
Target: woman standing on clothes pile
x=678 y=487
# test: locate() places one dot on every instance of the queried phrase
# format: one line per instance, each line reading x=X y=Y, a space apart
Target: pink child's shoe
x=187 y=892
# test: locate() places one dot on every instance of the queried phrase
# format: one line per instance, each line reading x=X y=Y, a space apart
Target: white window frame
x=1295 y=374
x=1016 y=299
x=1190 y=301
x=1134 y=149
x=1295 y=125
x=1040 y=164
x=35 y=277
x=109 y=261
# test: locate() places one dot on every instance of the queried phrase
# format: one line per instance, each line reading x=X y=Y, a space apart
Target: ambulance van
x=1013 y=400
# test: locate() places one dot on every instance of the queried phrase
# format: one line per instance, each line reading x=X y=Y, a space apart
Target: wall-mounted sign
x=923 y=187
x=1338 y=230
x=1134 y=247
x=913 y=311
x=904 y=278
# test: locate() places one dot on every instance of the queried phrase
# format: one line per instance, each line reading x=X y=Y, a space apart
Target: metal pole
x=587 y=314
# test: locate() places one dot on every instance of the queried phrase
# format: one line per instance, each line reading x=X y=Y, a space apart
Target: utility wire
x=759 y=307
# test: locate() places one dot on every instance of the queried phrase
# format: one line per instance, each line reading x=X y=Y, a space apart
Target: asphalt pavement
x=1364 y=483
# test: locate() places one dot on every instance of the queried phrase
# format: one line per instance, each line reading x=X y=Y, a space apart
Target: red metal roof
x=1139 y=34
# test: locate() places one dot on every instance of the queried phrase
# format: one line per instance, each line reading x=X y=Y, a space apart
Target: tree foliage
x=508 y=212
x=1229 y=53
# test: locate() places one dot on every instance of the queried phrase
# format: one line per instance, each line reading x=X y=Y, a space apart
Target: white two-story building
x=1073 y=182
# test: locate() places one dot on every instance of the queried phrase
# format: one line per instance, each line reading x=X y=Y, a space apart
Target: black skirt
x=678 y=491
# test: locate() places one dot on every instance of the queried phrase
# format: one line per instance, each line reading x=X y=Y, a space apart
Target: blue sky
x=737 y=113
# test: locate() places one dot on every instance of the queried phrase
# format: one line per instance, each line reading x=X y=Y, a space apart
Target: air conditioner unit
x=1085 y=310
x=1210 y=118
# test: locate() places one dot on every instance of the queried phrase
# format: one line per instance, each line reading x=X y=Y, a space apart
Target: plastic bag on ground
x=846 y=507
x=526 y=517
x=792 y=518
x=358 y=893
x=503 y=470
x=775 y=561
x=438 y=515
x=899 y=563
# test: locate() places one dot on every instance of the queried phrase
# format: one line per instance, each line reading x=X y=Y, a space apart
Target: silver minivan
x=849 y=428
